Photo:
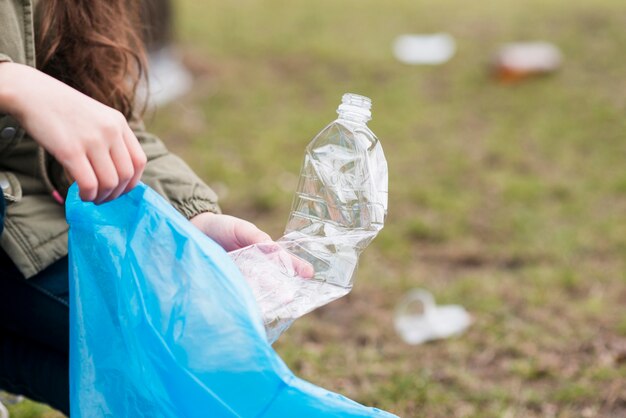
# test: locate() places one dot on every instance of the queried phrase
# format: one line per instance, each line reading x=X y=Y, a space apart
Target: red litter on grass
x=515 y=62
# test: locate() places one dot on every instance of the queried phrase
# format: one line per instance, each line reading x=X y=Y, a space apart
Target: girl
x=68 y=74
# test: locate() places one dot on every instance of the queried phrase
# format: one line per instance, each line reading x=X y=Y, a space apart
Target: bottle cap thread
x=355 y=105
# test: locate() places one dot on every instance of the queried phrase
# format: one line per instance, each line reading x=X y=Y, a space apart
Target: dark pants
x=34 y=332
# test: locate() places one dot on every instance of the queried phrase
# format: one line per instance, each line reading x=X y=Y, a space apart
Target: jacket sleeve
x=173 y=179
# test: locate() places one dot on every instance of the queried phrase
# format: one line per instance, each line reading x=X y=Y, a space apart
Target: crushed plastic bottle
x=338 y=209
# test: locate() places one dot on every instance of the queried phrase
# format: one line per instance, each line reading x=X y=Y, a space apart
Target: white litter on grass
x=529 y=57
x=432 y=323
x=432 y=49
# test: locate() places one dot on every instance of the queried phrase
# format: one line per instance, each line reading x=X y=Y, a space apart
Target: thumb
x=247 y=233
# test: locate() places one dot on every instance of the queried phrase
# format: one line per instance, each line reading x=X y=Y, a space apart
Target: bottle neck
x=355 y=108
x=355 y=117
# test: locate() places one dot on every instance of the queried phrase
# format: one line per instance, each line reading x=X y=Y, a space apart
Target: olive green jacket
x=35 y=230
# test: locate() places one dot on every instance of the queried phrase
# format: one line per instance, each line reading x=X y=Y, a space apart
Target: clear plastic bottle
x=341 y=199
x=339 y=207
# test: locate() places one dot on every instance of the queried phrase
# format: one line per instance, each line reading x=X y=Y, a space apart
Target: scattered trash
x=432 y=49
x=339 y=207
x=432 y=323
x=517 y=61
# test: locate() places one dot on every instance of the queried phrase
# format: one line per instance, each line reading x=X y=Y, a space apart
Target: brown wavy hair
x=93 y=46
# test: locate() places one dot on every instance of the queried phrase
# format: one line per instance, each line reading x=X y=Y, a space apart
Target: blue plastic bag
x=162 y=324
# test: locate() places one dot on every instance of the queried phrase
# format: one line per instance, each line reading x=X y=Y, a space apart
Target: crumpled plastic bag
x=162 y=323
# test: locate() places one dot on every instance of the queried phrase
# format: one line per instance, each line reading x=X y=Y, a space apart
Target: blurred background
x=508 y=198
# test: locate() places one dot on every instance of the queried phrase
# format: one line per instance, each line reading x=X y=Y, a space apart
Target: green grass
x=509 y=200
x=29 y=409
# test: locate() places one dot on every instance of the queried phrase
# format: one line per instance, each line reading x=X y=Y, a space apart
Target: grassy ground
x=509 y=200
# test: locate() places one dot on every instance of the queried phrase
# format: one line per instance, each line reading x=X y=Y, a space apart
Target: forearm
x=9 y=87
x=22 y=86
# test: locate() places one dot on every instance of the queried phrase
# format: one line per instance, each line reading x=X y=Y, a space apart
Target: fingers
x=137 y=156
x=303 y=268
x=91 y=140
x=106 y=172
x=80 y=169
x=124 y=167
x=234 y=234
x=129 y=160
x=246 y=233
x=117 y=169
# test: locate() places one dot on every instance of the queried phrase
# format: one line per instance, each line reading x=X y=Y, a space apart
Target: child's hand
x=92 y=141
x=229 y=232
x=233 y=233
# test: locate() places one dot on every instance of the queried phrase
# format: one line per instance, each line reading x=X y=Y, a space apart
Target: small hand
x=92 y=141
x=229 y=232
x=233 y=233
